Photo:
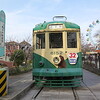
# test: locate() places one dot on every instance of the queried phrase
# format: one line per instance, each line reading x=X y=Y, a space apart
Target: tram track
x=46 y=93
x=89 y=90
x=74 y=91
x=43 y=93
x=75 y=94
x=94 y=96
x=36 y=95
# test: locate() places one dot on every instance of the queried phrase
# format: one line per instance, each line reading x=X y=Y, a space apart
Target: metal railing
x=92 y=59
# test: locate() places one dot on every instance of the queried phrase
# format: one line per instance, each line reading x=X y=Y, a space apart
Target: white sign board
x=72 y=58
x=56 y=26
x=1 y=34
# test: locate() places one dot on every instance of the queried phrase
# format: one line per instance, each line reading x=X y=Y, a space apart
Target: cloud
x=15 y=27
x=19 y=24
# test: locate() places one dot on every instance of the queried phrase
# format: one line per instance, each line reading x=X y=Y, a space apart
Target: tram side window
x=71 y=40
x=40 y=41
x=55 y=40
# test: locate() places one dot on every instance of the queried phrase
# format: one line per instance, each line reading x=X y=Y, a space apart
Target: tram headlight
x=56 y=60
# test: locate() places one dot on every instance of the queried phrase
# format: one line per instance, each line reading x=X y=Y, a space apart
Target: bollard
x=7 y=70
x=3 y=81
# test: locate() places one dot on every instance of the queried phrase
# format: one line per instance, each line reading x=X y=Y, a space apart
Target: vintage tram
x=57 y=57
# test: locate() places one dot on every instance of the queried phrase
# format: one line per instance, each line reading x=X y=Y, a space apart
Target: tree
x=17 y=57
x=25 y=45
x=84 y=46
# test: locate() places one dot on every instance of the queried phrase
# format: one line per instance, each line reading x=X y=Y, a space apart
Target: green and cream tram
x=57 y=56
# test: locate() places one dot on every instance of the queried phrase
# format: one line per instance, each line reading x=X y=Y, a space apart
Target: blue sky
x=23 y=15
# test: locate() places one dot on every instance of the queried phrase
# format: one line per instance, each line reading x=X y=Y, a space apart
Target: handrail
x=59 y=17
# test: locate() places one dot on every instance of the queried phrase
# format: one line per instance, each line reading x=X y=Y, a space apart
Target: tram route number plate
x=72 y=58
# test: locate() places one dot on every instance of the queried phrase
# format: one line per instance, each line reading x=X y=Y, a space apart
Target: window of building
x=40 y=41
x=8 y=47
x=71 y=40
x=55 y=40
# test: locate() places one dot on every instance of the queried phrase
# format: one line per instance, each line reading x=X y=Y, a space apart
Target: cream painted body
x=46 y=53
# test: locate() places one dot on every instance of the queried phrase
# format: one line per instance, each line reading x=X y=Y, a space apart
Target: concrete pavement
x=18 y=84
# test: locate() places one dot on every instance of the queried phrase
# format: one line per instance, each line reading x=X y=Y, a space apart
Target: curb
x=22 y=93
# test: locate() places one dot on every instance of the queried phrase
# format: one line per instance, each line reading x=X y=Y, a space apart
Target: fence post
x=96 y=61
x=99 y=59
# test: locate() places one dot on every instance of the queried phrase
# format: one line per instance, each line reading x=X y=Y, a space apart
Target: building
x=2 y=35
x=27 y=48
x=25 y=45
x=10 y=48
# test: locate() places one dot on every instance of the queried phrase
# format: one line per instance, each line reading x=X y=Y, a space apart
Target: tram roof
x=44 y=25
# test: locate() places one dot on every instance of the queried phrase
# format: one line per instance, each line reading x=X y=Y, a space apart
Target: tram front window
x=55 y=40
x=71 y=40
x=40 y=41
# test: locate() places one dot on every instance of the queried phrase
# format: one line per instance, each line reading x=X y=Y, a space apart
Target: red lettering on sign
x=72 y=55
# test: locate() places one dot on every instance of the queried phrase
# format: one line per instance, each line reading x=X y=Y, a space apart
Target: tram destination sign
x=56 y=26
